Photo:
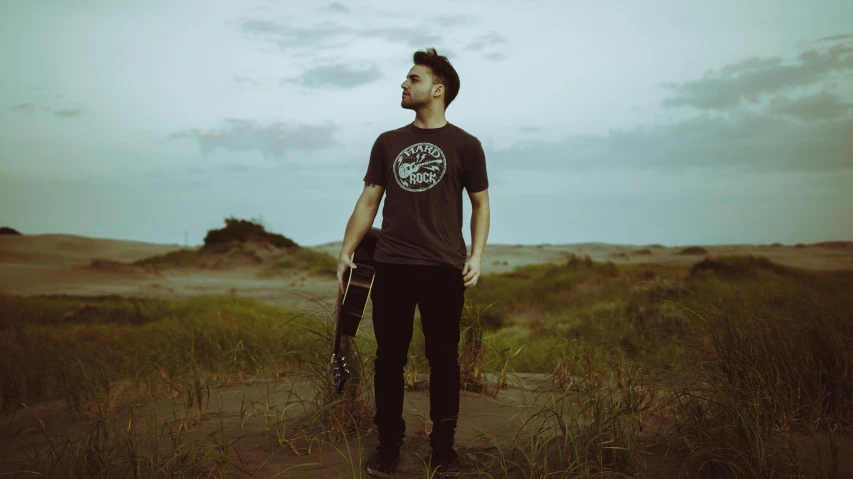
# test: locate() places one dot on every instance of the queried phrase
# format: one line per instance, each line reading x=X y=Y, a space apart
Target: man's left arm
x=479 y=234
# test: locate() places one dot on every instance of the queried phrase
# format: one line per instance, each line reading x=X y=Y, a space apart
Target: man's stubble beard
x=410 y=104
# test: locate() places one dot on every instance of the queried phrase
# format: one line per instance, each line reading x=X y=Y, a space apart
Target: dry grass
x=718 y=370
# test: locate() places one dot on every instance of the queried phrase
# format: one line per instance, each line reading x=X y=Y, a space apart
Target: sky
x=616 y=121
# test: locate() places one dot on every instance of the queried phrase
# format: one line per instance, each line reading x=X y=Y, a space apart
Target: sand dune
x=502 y=258
x=62 y=264
x=73 y=249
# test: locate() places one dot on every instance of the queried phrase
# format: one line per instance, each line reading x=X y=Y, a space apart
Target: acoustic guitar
x=350 y=307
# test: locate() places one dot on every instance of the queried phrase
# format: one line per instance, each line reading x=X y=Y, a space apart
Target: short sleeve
x=376 y=166
x=475 y=176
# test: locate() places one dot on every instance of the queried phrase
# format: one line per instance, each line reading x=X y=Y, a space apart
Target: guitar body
x=351 y=305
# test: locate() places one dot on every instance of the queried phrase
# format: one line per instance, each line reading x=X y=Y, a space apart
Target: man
x=420 y=254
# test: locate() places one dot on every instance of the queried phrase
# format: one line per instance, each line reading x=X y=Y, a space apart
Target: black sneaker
x=383 y=460
x=445 y=463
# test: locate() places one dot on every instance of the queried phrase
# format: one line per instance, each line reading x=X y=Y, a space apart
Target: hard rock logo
x=420 y=167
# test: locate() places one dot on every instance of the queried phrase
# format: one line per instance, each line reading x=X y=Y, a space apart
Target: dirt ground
x=60 y=264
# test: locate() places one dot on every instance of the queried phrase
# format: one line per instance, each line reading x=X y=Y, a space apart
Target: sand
x=62 y=264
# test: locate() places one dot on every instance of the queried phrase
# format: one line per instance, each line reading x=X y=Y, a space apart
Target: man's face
x=418 y=88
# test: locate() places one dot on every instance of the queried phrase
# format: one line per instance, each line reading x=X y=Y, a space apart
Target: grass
x=79 y=349
x=277 y=263
x=304 y=260
x=717 y=370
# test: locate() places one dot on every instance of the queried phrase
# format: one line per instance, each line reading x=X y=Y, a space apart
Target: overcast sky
x=616 y=121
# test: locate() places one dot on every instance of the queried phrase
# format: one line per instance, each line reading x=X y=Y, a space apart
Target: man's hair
x=442 y=72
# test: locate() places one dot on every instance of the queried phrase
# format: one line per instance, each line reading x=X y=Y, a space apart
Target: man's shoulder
x=394 y=131
x=467 y=137
x=385 y=135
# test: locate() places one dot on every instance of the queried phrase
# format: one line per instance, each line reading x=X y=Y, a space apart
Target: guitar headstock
x=340 y=372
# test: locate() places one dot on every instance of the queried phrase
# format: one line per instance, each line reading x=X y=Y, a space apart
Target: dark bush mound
x=738 y=266
x=243 y=231
x=693 y=250
x=644 y=251
x=799 y=245
x=5 y=230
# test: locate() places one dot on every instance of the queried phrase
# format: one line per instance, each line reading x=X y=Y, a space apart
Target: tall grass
x=719 y=370
x=86 y=350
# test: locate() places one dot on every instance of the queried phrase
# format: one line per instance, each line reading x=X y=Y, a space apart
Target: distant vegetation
x=834 y=244
x=693 y=250
x=5 y=230
x=237 y=231
x=246 y=242
x=741 y=267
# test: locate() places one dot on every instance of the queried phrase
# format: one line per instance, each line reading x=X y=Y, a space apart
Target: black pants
x=439 y=293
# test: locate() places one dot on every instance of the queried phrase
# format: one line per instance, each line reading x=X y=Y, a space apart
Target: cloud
x=445 y=21
x=484 y=41
x=475 y=46
x=68 y=112
x=418 y=37
x=489 y=39
x=754 y=78
x=835 y=38
x=336 y=76
x=24 y=107
x=530 y=129
x=325 y=35
x=247 y=81
x=493 y=38
x=808 y=132
x=330 y=35
x=272 y=140
x=32 y=108
x=336 y=7
x=823 y=105
x=426 y=40
x=751 y=141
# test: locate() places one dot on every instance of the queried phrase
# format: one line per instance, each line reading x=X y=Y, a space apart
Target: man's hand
x=344 y=262
x=471 y=271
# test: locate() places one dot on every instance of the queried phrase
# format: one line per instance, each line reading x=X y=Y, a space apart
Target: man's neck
x=429 y=120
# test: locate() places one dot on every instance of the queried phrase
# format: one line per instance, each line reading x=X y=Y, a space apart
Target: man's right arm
x=358 y=225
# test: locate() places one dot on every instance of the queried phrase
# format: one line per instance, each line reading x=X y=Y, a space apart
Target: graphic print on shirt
x=419 y=167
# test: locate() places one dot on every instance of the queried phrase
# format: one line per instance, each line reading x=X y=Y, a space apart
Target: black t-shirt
x=423 y=172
